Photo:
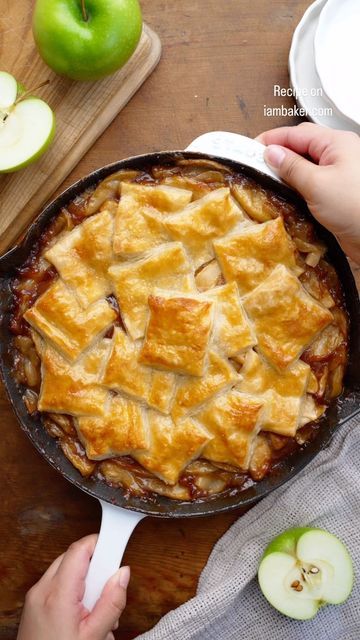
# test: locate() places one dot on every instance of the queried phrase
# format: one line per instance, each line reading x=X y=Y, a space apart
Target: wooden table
x=219 y=64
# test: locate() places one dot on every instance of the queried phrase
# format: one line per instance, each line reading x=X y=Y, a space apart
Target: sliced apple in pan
x=27 y=126
x=303 y=569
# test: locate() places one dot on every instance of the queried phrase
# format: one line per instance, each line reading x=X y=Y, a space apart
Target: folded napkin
x=229 y=605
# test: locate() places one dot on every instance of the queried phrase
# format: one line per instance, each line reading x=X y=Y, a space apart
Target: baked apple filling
x=180 y=330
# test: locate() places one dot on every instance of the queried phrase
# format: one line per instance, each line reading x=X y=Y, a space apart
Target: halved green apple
x=303 y=569
x=27 y=126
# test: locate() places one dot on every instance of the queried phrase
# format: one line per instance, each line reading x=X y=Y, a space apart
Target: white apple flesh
x=317 y=570
x=26 y=127
x=8 y=91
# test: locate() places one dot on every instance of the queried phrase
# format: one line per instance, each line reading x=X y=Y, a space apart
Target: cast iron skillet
x=341 y=410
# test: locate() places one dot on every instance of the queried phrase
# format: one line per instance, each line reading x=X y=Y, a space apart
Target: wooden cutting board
x=83 y=110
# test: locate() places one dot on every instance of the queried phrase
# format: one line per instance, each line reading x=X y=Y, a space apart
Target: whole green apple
x=303 y=569
x=86 y=39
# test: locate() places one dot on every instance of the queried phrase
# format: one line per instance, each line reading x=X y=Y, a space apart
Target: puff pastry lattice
x=174 y=328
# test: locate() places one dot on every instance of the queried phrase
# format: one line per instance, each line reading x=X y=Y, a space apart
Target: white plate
x=303 y=74
x=337 y=55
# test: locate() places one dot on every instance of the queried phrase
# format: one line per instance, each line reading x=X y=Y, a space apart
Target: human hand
x=53 y=607
x=328 y=177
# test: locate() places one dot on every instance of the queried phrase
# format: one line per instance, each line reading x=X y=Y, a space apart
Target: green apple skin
x=286 y=542
x=91 y=49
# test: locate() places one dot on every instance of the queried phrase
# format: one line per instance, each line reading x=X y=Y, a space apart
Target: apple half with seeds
x=303 y=569
x=27 y=125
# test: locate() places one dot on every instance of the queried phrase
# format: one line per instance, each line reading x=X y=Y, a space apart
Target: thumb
x=292 y=168
x=110 y=605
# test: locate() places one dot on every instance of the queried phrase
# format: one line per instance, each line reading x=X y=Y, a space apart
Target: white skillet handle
x=235 y=147
x=117 y=526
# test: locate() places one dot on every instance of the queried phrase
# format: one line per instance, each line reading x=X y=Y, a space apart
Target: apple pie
x=179 y=329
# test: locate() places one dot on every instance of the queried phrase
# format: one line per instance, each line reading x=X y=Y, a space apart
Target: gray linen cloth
x=229 y=604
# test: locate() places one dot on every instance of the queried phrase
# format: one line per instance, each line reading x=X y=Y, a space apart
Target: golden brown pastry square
x=283 y=393
x=163 y=198
x=60 y=319
x=234 y=420
x=70 y=389
x=122 y=429
x=203 y=220
x=124 y=373
x=232 y=331
x=172 y=446
x=286 y=318
x=192 y=392
x=161 y=391
x=94 y=359
x=178 y=333
x=139 y=219
x=166 y=267
x=250 y=255
x=83 y=256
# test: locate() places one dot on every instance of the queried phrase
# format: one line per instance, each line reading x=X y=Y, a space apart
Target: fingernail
x=124 y=577
x=274 y=155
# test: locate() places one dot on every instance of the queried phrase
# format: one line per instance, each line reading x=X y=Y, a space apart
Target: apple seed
x=314 y=570
x=296 y=585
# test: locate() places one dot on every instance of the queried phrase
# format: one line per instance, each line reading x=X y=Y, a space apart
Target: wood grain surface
x=83 y=110
x=219 y=63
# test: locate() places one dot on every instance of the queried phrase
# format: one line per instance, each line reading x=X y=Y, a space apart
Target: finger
x=51 y=571
x=284 y=135
x=305 y=139
x=295 y=170
x=110 y=605
x=71 y=573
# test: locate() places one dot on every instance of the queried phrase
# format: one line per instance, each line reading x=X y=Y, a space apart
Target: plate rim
x=324 y=13
x=341 y=122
